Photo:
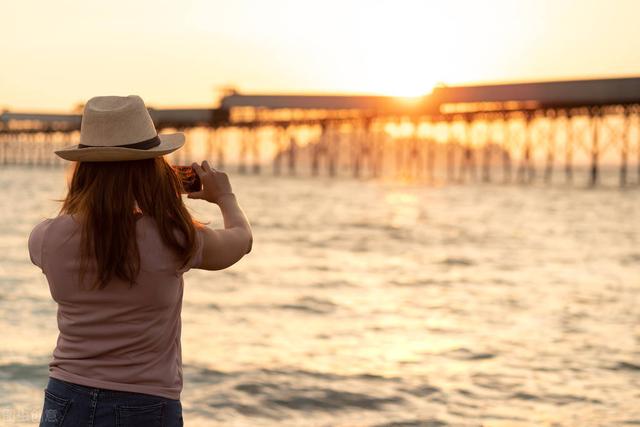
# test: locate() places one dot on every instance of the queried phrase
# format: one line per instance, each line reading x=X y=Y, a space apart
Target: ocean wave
x=310 y=305
x=286 y=393
x=423 y=390
x=427 y=281
x=625 y=366
x=630 y=259
x=32 y=372
x=431 y=422
x=336 y=283
x=203 y=375
x=466 y=354
x=328 y=399
x=457 y=261
x=556 y=399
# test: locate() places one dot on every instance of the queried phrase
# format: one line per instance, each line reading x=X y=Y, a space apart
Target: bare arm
x=222 y=247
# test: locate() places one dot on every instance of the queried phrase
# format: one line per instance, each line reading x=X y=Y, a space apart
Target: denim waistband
x=88 y=391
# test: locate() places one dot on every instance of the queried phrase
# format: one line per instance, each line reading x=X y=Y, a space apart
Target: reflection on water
x=379 y=304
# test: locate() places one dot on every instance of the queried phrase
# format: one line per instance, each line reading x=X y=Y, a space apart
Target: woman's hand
x=214 y=183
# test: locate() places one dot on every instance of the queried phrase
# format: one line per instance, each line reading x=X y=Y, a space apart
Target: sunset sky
x=56 y=54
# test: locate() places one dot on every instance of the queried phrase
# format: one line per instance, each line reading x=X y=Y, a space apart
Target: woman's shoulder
x=44 y=224
x=62 y=219
x=65 y=221
x=36 y=239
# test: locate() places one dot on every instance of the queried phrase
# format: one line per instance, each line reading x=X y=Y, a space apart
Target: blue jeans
x=69 y=404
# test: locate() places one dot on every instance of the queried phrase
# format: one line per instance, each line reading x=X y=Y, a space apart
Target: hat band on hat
x=142 y=145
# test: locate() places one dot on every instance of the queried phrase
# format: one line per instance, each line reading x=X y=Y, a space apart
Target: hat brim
x=168 y=142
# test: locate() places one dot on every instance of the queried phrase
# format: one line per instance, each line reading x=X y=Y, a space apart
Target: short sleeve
x=196 y=259
x=36 y=243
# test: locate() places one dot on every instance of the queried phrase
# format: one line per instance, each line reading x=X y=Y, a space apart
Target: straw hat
x=119 y=128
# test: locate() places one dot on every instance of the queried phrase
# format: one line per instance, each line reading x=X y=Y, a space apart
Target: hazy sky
x=55 y=54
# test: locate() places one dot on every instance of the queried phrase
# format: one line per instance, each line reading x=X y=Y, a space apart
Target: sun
x=408 y=91
x=402 y=78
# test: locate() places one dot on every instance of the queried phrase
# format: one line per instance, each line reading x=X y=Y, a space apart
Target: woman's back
x=114 y=260
x=119 y=337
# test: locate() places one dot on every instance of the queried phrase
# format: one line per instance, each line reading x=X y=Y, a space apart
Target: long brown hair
x=104 y=196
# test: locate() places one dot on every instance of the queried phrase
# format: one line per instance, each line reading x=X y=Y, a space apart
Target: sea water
x=377 y=303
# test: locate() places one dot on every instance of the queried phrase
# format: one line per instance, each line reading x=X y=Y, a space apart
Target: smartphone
x=189 y=178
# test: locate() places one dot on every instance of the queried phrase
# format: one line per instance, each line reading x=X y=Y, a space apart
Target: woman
x=114 y=259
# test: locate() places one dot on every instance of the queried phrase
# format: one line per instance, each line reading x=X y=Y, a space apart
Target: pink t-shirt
x=116 y=338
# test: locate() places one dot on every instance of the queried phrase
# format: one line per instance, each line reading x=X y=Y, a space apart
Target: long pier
x=523 y=132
